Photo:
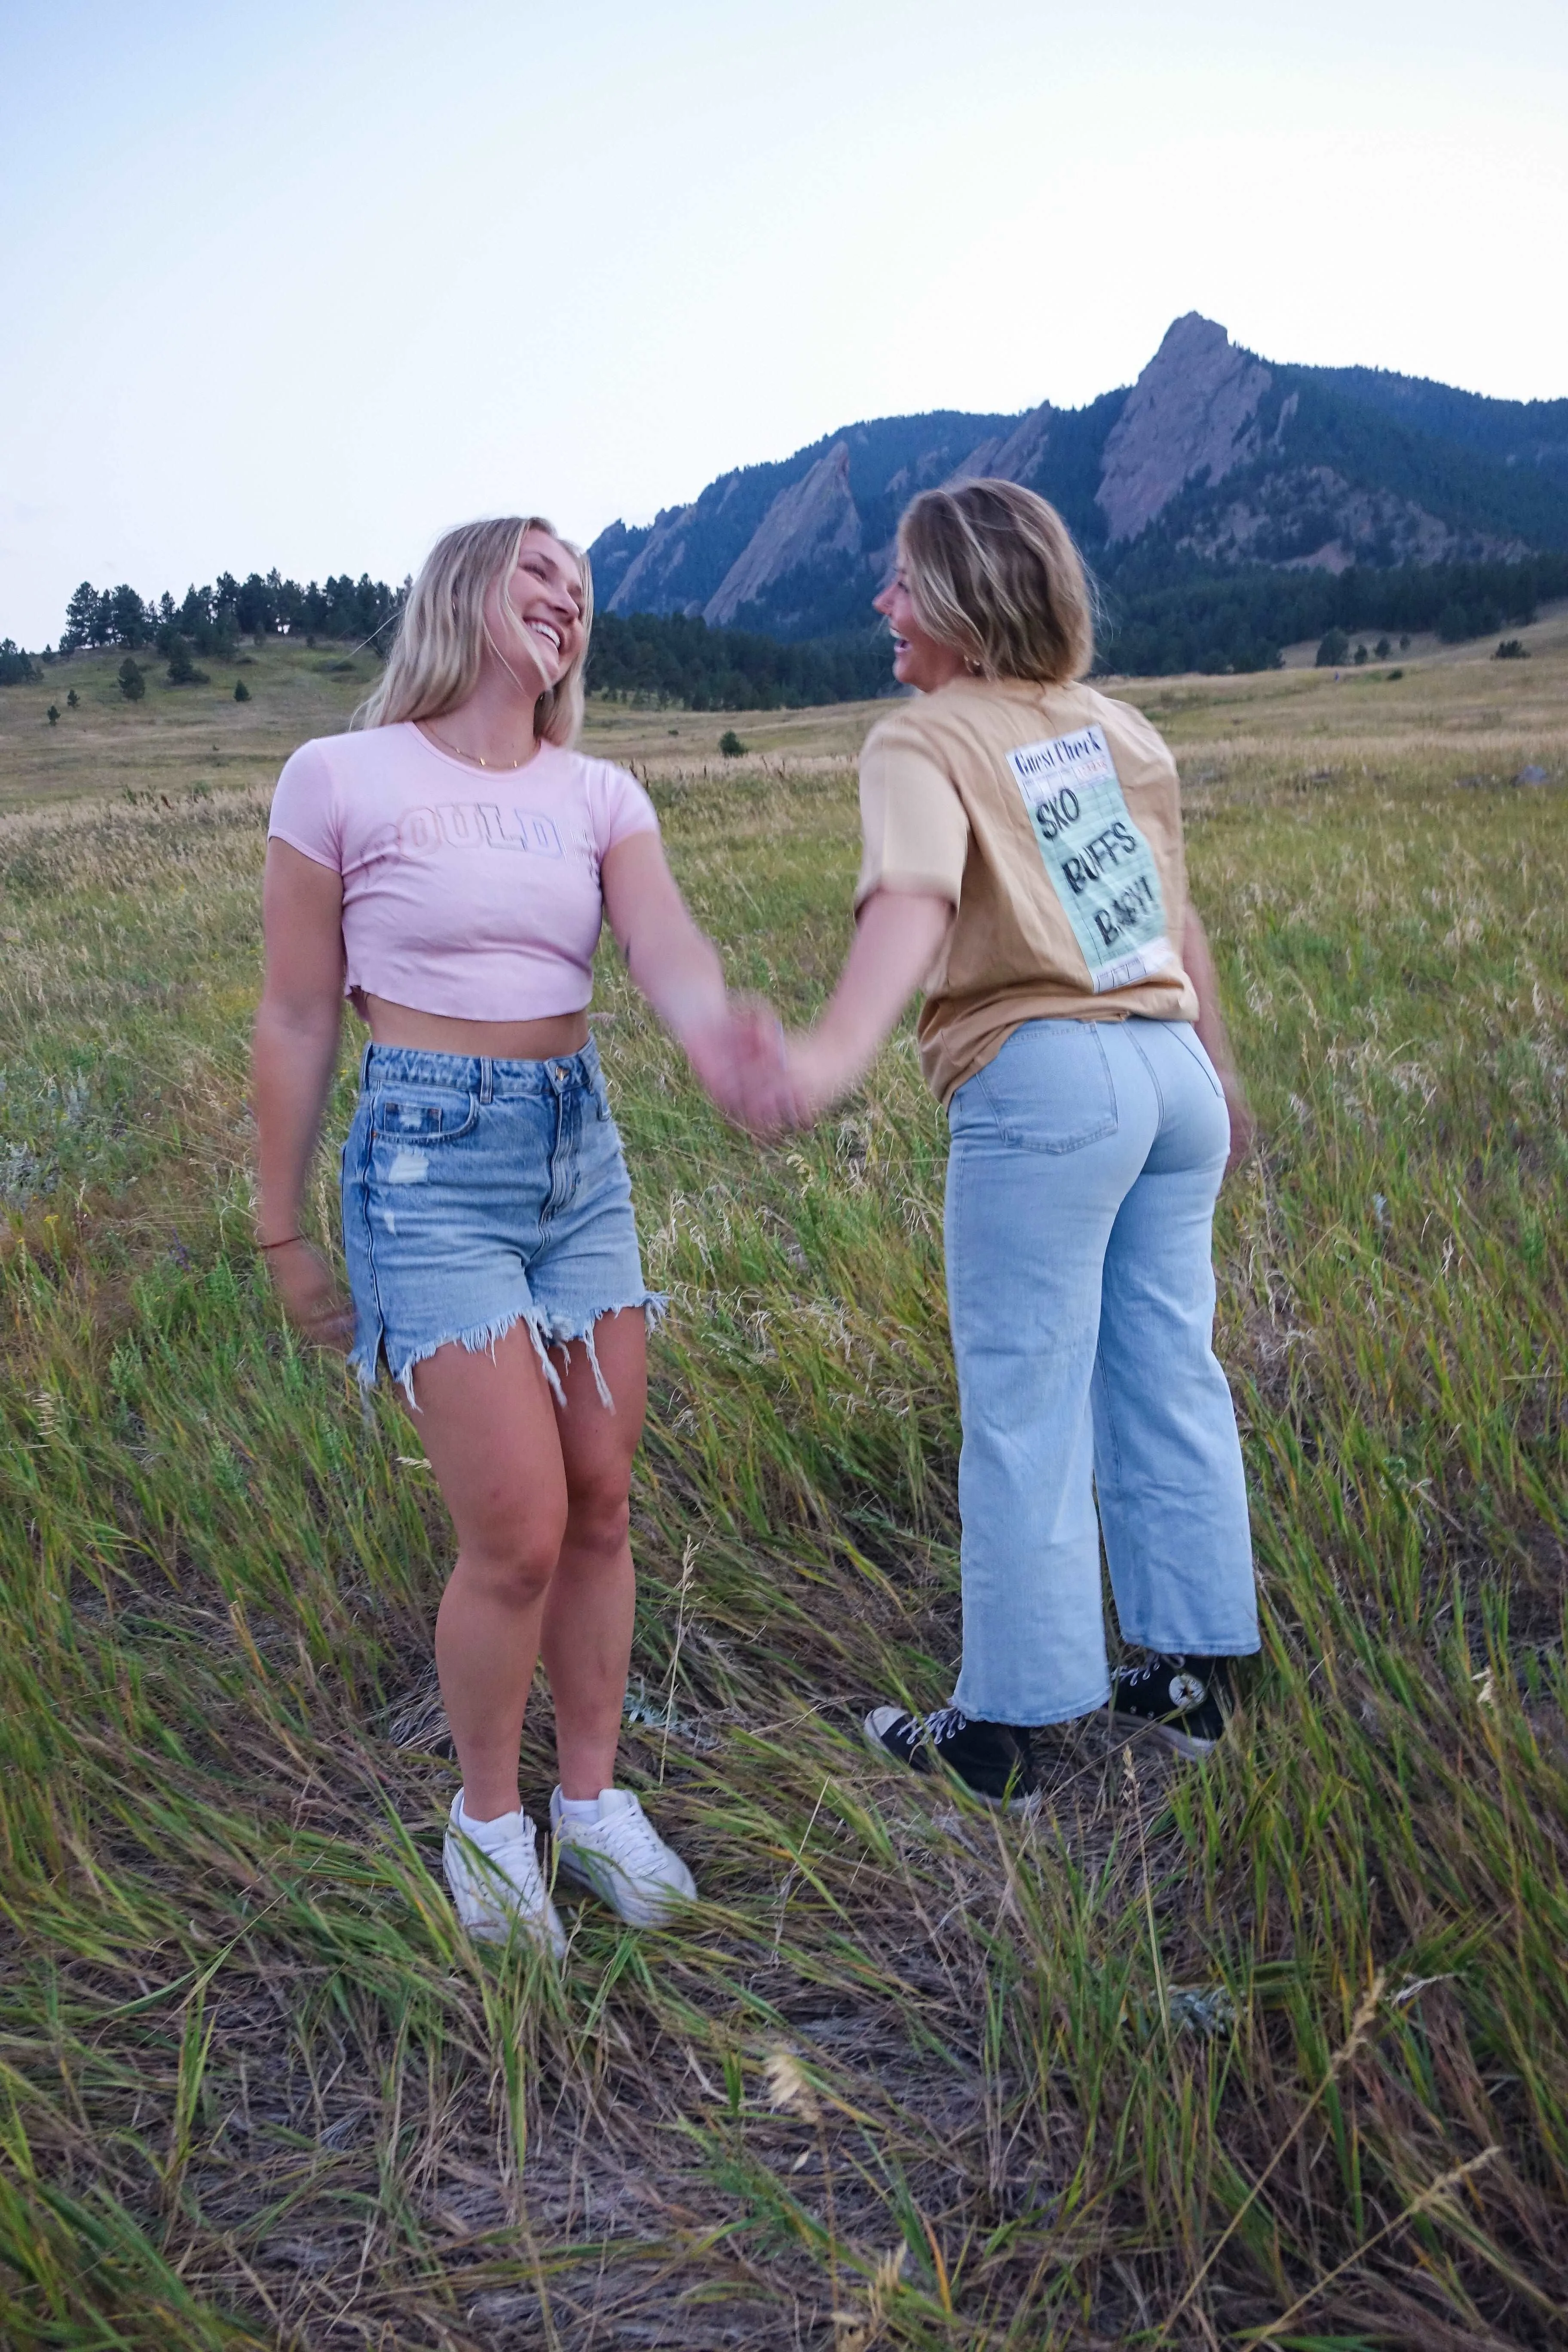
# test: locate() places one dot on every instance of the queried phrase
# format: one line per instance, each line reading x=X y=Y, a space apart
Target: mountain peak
x=1192 y=411
x=1215 y=457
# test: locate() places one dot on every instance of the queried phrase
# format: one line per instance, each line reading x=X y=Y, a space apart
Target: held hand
x=792 y=1088
x=739 y=1060
x=310 y=1297
x=813 y=1083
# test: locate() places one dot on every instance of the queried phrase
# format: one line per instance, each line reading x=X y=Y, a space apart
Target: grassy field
x=1271 y=2050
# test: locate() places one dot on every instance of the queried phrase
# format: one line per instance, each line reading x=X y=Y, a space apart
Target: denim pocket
x=1049 y=1088
x=423 y=1115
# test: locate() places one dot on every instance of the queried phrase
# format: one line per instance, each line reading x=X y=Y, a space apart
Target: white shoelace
x=942 y=1724
x=516 y=1859
x=629 y=1839
x=1132 y=1674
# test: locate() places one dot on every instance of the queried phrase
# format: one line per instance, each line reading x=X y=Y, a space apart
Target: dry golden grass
x=1272 y=2050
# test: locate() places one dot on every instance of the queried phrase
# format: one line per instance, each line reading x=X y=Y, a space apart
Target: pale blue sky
x=303 y=285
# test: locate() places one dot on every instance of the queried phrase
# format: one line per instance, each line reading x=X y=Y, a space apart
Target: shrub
x=1512 y=649
x=1333 y=650
x=1382 y=649
x=1360 y=656
x=53 y=715
x=183 y=671
x=72 y=699
x=730 y=744
x=132 y=684
x=241 y=691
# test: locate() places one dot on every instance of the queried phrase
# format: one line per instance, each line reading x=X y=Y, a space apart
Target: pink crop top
x=467 y=891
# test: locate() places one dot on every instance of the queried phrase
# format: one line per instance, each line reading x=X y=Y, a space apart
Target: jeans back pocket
x=1049 y=1088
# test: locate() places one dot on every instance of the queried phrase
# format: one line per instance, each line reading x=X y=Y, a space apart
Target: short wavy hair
x=993 y=572
x=435 y=660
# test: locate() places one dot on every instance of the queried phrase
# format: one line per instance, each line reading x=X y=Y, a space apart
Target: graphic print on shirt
x=465 y=825
x=1102 y=868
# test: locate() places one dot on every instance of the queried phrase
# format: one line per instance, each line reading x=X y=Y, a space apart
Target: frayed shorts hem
x=545 y=1330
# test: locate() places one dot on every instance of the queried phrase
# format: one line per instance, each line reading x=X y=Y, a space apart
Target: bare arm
x=1214 y=1036
x=677 y=969
x=294 y=1053
x=896 y=941
x=733 y=1048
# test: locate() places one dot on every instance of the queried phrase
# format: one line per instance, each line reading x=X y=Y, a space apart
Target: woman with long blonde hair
x=447 y=864
x=1024 y=863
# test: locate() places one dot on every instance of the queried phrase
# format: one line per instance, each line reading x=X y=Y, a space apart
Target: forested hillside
x=1228 y=505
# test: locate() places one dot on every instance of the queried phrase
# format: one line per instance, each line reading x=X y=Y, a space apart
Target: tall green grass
x=916 y=2076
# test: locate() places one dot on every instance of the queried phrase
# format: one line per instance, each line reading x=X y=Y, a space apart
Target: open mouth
x=544 y=629
x=900 y=645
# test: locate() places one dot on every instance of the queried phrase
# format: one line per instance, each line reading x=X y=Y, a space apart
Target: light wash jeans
x=1085 y=1163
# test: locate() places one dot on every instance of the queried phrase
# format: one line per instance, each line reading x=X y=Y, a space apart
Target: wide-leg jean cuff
x=981 y=1709
x=1186 y=1647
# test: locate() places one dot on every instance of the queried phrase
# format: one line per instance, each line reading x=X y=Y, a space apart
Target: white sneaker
x=492 y=1869
x=622 y=1858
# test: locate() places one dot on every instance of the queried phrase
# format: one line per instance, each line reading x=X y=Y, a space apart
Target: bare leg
x=587 y=1629
x=489 y=1425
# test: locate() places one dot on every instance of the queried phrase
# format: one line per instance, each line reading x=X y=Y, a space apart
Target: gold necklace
x=477 y=758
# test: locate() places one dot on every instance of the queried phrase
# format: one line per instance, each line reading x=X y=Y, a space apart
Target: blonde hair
x=435 y=660
x=991 y=572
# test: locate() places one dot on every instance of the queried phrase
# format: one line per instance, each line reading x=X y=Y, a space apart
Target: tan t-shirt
x=1051 y=817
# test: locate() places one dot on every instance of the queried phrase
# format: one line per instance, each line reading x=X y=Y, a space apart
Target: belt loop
x=487 y=1079
x=364 y=1064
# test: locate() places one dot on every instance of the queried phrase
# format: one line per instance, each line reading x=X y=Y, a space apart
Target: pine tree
x=183 y=671
x=132 y=684
x=130 y=620
x=82 y=614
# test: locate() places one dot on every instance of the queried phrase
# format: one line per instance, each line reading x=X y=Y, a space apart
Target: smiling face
x=920 y=659
x=538 y=608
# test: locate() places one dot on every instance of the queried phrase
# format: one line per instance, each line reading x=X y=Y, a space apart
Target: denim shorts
x=479 y=1194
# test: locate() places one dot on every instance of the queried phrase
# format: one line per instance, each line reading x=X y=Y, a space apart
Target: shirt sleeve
x=913 y=828
x=304 y=808
x=624 y=808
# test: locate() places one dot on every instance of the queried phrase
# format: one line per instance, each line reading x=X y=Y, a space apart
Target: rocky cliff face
x=814 y=517
x=1213 y=454
x=1193 y=411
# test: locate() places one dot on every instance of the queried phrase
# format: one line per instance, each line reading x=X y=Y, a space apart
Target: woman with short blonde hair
x=1024 y=860
x=447 y=866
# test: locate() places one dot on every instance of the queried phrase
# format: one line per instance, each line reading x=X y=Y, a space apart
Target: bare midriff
x=503 y=1040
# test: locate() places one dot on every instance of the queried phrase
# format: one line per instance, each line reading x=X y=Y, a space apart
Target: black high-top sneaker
x=992 y=1759
x=1177 y=1698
